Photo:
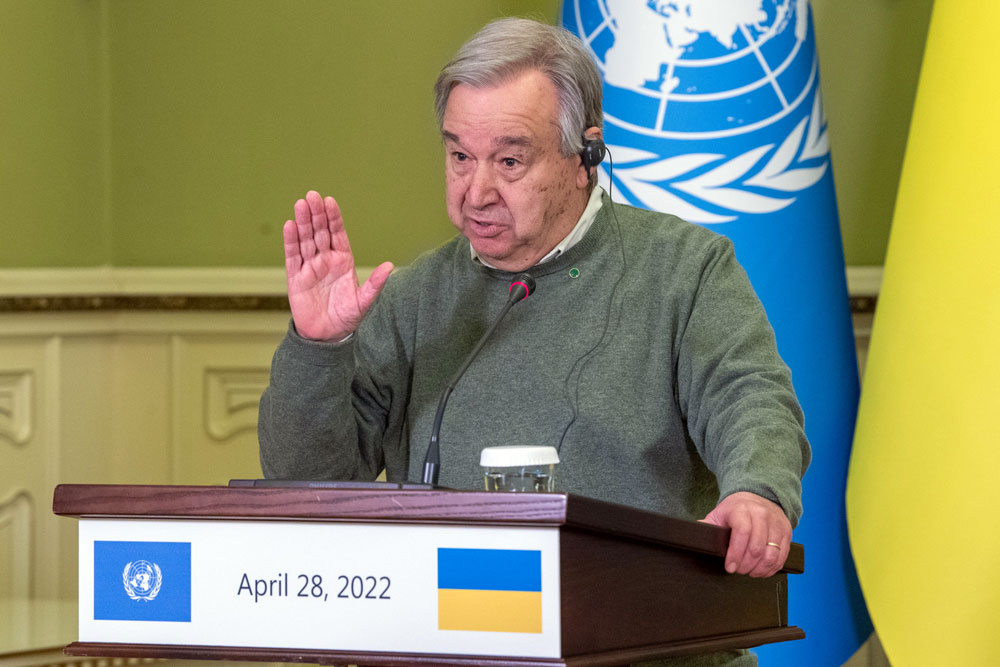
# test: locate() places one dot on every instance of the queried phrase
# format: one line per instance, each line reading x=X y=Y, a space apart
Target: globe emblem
x=712 y=109
x=690 y=70
x=142 y=580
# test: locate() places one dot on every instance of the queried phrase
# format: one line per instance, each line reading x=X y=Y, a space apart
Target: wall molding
x=108 y=282
x=864 y=281
x=117 y=281
x=145 y=289
x=158 y=302
x=221 y=289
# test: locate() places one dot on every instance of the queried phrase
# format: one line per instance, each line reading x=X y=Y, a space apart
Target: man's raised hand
x=326 y=301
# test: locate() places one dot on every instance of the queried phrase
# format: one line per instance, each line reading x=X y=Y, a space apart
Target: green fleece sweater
x=643 y=355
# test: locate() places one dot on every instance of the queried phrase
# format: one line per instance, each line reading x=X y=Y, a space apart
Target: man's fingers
x=293 y=257
x=757 y=543
x=772 y=560
x=318 y=220
x=304 y=229
x=739 y=538
x=335 y=226
x=319 y=226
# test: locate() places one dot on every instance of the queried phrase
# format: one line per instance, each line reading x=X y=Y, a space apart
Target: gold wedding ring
x=774 y=544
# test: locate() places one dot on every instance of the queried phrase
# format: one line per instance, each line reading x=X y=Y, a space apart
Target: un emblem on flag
x=712 y=109
x=142 y=580
x=118 y=589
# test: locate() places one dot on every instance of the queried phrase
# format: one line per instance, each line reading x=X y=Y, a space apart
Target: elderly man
x=644 y=356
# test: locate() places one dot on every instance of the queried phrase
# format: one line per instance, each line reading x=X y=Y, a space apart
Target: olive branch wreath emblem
x=130 y=590
x=723 y=184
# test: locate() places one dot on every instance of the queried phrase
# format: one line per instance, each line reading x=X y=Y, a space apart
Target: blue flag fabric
x=713 y=113
x=142 y=581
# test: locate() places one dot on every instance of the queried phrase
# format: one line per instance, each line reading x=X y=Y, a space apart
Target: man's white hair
x=508 y=47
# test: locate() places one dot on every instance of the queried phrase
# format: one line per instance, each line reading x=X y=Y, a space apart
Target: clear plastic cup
x=519 y=469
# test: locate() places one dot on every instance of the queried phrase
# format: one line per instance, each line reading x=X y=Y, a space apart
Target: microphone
x=520 y=289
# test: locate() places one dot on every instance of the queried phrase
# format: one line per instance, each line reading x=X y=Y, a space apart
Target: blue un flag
x=142 y=581
x=712 y=112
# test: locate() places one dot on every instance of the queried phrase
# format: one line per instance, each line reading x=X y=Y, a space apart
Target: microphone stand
x=521 y=288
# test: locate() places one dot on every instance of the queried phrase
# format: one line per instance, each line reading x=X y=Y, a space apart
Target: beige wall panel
x=84 y=426
x=139 y=410
x=114 y=420
x=28 y=466
x=218 y=381
x=87 y=451
x=118 y=398
x=17 y=515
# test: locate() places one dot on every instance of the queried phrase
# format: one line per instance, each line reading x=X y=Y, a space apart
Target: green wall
x=180 y=132
x=53 y=156
x=226 y=111
x=870 y=53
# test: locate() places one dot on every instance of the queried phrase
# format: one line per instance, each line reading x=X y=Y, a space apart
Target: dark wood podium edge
x=606 y=659
x=395 y=506
x=630 y=522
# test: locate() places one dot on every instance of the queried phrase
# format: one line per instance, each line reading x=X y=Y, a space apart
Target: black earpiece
x=593 y=152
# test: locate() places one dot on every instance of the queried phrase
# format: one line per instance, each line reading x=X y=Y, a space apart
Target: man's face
x=509 y=189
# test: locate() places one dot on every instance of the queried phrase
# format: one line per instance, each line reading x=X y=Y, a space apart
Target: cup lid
x=514 y=456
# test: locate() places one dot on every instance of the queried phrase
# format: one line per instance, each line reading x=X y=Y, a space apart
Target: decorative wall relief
x=231 y=398
x=16 y=388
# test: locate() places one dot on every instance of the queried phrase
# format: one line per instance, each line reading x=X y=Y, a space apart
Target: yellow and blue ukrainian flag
x=923 y=503
x=490 y=590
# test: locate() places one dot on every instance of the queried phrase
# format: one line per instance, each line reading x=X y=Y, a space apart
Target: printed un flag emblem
x=710 y=112
x=142 y=580
x=129 y=580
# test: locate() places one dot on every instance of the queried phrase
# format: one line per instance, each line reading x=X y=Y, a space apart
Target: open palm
x=326 y=301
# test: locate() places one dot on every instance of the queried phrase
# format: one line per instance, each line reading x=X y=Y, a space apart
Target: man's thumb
x=374 y=284
x=715 y=518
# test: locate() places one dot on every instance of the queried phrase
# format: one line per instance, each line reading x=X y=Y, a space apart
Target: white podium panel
x=315 y=585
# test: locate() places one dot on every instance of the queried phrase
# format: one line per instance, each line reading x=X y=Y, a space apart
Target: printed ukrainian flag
x=490 y=590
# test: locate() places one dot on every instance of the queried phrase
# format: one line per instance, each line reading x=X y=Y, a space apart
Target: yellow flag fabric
x=923 y=497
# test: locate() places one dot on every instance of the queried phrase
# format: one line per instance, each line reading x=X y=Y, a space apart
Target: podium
x=396 y=576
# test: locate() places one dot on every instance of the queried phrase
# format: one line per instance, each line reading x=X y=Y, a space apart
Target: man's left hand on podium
x=761 y=533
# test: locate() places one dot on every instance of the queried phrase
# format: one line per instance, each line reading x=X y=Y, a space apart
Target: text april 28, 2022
x=314 y=587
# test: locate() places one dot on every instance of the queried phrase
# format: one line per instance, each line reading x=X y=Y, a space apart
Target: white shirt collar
x=578 y=232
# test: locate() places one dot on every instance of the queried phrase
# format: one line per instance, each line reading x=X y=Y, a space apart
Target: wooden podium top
x=438 y=506
x=624 y=585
